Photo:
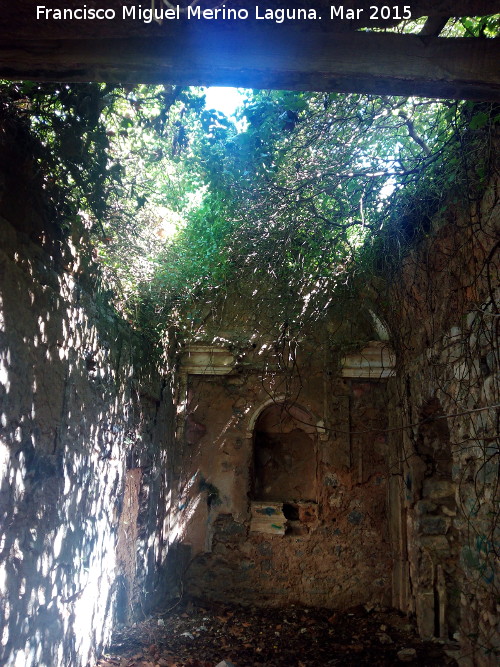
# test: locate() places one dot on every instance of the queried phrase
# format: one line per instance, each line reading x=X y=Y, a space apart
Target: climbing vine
x=314 y=204
x=307 y=195
x=311 y=198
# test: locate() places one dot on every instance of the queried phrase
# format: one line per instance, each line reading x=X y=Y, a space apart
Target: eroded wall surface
x=83 y=436
x=444 y=320
x=277 y=540
x=438 y=552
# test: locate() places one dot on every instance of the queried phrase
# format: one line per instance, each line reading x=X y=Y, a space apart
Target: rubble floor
x=201 y=634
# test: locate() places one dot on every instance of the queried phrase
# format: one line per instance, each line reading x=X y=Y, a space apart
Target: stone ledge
x=375 y=361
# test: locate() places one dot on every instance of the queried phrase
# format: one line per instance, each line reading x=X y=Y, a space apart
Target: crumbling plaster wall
x=444 y=319
x=440 y=465
x=80 y=404
x=340 y=555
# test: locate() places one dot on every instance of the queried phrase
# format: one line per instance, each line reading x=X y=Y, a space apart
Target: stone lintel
x=375 y=362
x=207 y=360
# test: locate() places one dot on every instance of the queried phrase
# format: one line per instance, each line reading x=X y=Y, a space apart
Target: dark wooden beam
x=433 y=26
x=19 y=17
x=287 y=58
x=450 y=7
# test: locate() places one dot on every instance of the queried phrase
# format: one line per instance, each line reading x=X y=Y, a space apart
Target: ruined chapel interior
x=353 y=465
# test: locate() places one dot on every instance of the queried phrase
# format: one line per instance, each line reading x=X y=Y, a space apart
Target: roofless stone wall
x=334 y=538
x=444 y=320
x=83 y=438
x=87 y=467
x=282 y=510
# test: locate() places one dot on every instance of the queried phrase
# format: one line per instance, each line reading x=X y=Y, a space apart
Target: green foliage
x=482 y=26
x=465 y=26
x=303 y=200
x=298 y=204
x=72 y=144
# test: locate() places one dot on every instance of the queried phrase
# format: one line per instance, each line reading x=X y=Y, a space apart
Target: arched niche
x=284 y=454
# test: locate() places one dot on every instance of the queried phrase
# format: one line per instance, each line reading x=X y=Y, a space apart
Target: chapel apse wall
x=284 y=500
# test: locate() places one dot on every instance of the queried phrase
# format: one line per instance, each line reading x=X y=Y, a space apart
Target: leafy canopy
x=182 y=203
x=296 y=206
